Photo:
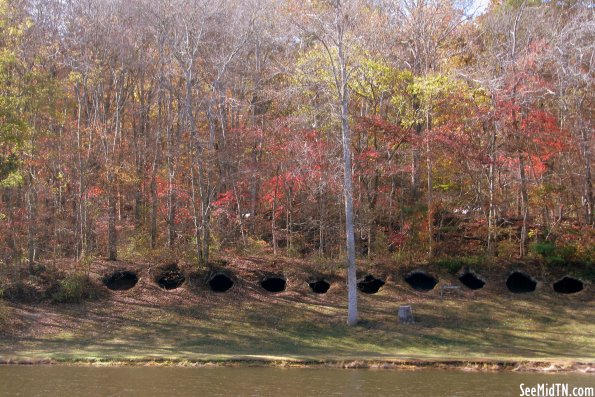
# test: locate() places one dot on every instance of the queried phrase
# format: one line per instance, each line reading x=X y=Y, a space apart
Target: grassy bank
x=247 y=325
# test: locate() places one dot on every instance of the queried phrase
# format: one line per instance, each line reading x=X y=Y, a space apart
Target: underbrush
x=568 y=257
x=29 y=285
x=75 y=288
x=454 y=264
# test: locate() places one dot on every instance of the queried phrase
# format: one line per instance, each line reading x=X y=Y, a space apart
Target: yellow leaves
x=432 y=86
x=127 y=177
x=443 y=186
x=374 y=77
x=314 y=66
x=75 y=77
x=14 y=179
x=14 y=31
x=481 y=97
x=3 y=13
x=10 y=33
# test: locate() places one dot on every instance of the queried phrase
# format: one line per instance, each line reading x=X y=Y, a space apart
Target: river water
x=167 y=381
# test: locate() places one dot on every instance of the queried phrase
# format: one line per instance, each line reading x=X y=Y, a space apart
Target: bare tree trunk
x=154 y=202
x=196 y=160
x=206 y=237
x=212 y=125
x=492 y=186
x=289 y=219
x=138 y=191
x=430 y=183
x=524 y=197
x=112 y=210
x=415 y=158
x=321 y=225
x=349 y=227
x=195 y=214
x=372 y=202
x=391 y=201
x=81 y=197
x=171 y=171
x=139 y=134
x=205 y=206
x=239 y=208
x=347 y=185
x=205 y=197
x=254 y=180
x=171 y=211
x=112 y=181
x=587 y=184
x=156 y=164
x=273 y=226
x=31 y=221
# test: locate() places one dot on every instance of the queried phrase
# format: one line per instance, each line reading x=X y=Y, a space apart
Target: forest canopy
x=190 y=127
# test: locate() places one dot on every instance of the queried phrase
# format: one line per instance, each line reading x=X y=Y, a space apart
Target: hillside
x=193 y=323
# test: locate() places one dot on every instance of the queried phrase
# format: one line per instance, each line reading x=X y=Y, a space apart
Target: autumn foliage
x=186 y=127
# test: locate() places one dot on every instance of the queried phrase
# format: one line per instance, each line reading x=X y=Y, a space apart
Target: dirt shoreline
x=541 y=366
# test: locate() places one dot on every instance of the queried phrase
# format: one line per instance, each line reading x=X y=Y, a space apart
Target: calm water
x=81 y=381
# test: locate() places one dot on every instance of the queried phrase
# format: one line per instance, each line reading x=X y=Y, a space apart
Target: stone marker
x=405 y=315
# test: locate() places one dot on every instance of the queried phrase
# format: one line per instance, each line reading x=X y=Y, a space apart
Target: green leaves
x=13 y=128
x=10 y=175
x=374 y=79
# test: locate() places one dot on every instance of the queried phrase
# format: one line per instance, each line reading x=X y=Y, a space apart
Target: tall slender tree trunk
x=239 y=208
x=348 y=190
x=196 y=160
x=492 y=187
x=415 y=157
x=206 y=237
x=321 y=225
x=156 y=165
x=289 y=218
x=171 y=173
x=524 y=197
x=112 y=251
x=205 y=213
x=171 y=210
x=154 y=201
x=138 y=190
x=372 y=219
x=587 y=181
x=31 y=221
x=140 y=132
x=195 y=213
x=112 y=180
x=81 y=196
x=430 y=184
x=273 y=226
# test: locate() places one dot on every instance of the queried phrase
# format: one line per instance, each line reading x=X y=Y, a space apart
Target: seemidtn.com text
x=555 y=390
